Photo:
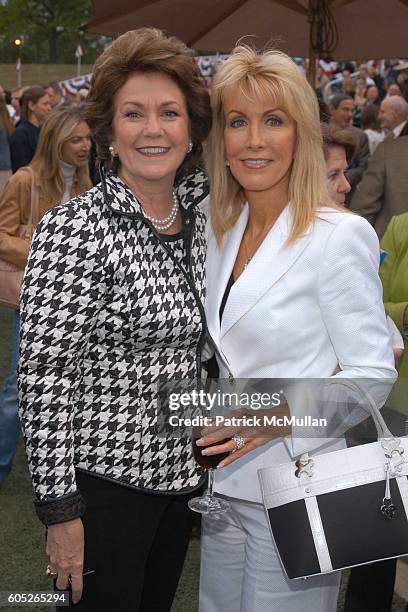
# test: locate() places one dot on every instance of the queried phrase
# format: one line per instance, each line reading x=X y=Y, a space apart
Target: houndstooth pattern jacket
x=106 y=310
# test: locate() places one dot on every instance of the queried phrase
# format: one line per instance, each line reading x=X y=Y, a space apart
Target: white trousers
x=241 y=571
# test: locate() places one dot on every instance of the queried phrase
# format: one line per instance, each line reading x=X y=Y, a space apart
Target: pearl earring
x=227 y=163
x=112 y=150
x=190 y=147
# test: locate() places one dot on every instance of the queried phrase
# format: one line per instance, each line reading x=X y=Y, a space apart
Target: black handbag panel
x=294 y=539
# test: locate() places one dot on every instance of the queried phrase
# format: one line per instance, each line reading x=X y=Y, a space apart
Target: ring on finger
x=50 y=573
x=239 y=442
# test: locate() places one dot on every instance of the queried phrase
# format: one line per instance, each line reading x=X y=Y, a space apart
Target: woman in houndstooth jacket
x=111 y=301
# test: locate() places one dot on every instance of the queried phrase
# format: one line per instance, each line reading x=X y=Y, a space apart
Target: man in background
x=383 y=192
x=341 y=117
x=393 y=116
x=55 y=92
x=402 y=78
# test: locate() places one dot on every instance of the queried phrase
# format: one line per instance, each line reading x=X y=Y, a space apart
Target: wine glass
x=208 y=504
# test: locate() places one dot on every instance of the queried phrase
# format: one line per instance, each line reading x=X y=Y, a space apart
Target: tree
x=50 y=30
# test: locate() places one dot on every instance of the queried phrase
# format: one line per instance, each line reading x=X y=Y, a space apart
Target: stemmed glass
x=208 y=504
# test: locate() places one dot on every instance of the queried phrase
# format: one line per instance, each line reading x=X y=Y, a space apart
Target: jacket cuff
x=61 y=509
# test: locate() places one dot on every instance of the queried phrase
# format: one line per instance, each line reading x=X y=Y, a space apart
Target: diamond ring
x=239 y=442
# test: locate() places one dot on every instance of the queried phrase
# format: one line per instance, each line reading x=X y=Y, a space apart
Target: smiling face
x=150 y=129
x=260 y=142
x=337 y=182
x=75 y=150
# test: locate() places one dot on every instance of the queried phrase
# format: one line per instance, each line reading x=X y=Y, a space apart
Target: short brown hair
x=336 y=137
x=146 y=50
x=369 y=117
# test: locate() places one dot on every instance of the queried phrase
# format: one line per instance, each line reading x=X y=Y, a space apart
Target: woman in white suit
x=293 y=291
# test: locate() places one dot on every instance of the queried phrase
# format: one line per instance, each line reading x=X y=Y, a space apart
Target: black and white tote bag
x=340 y=509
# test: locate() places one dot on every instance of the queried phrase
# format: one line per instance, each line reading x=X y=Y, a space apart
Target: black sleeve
x=22 y=149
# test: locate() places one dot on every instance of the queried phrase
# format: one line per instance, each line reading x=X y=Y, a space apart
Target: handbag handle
x=381 y=426
x=304 y=463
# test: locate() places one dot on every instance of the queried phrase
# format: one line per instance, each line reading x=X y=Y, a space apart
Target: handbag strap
x=35 y=200
x=383 y=433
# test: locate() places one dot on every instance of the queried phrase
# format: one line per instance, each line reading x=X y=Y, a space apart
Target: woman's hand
x=405 y=319
x=397 y=355
x=65 y=548
x=254 y=434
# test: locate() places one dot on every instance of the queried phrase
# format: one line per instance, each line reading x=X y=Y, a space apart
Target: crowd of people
x=173 y=228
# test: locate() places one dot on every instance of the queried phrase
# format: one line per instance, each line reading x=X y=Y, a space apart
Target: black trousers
x=371 y=587
x=135 y=543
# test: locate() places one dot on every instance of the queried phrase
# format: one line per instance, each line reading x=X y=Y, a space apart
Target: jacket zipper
x=190 y=280
x=190 y=222
x=191 y=219
x=191 y=216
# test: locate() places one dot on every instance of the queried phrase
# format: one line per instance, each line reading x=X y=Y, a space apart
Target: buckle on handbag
x=393 y=452
x=304 y=467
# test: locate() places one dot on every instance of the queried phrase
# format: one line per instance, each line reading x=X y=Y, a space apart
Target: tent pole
x=312 y=10
x=311 y=75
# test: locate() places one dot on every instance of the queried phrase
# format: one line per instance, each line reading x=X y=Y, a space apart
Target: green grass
x=22 y=556
x=22 y=548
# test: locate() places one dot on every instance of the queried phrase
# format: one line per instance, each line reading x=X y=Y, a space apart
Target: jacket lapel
x=220 y=262
x=271 y=261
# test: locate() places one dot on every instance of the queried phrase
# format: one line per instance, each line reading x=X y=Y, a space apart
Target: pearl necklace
x=166 y=223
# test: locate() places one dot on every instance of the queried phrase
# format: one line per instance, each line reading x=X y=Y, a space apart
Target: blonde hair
x=275 y=76
x=56 y=130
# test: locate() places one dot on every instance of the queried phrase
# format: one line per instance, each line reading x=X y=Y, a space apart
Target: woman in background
x=35 y=106
x=59 y=171
x=371 y=126
x=338 y=148
x=6 y=131
x=393 y=273
x=370 y=587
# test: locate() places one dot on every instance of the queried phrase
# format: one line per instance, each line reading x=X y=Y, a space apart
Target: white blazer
x=303 y=311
